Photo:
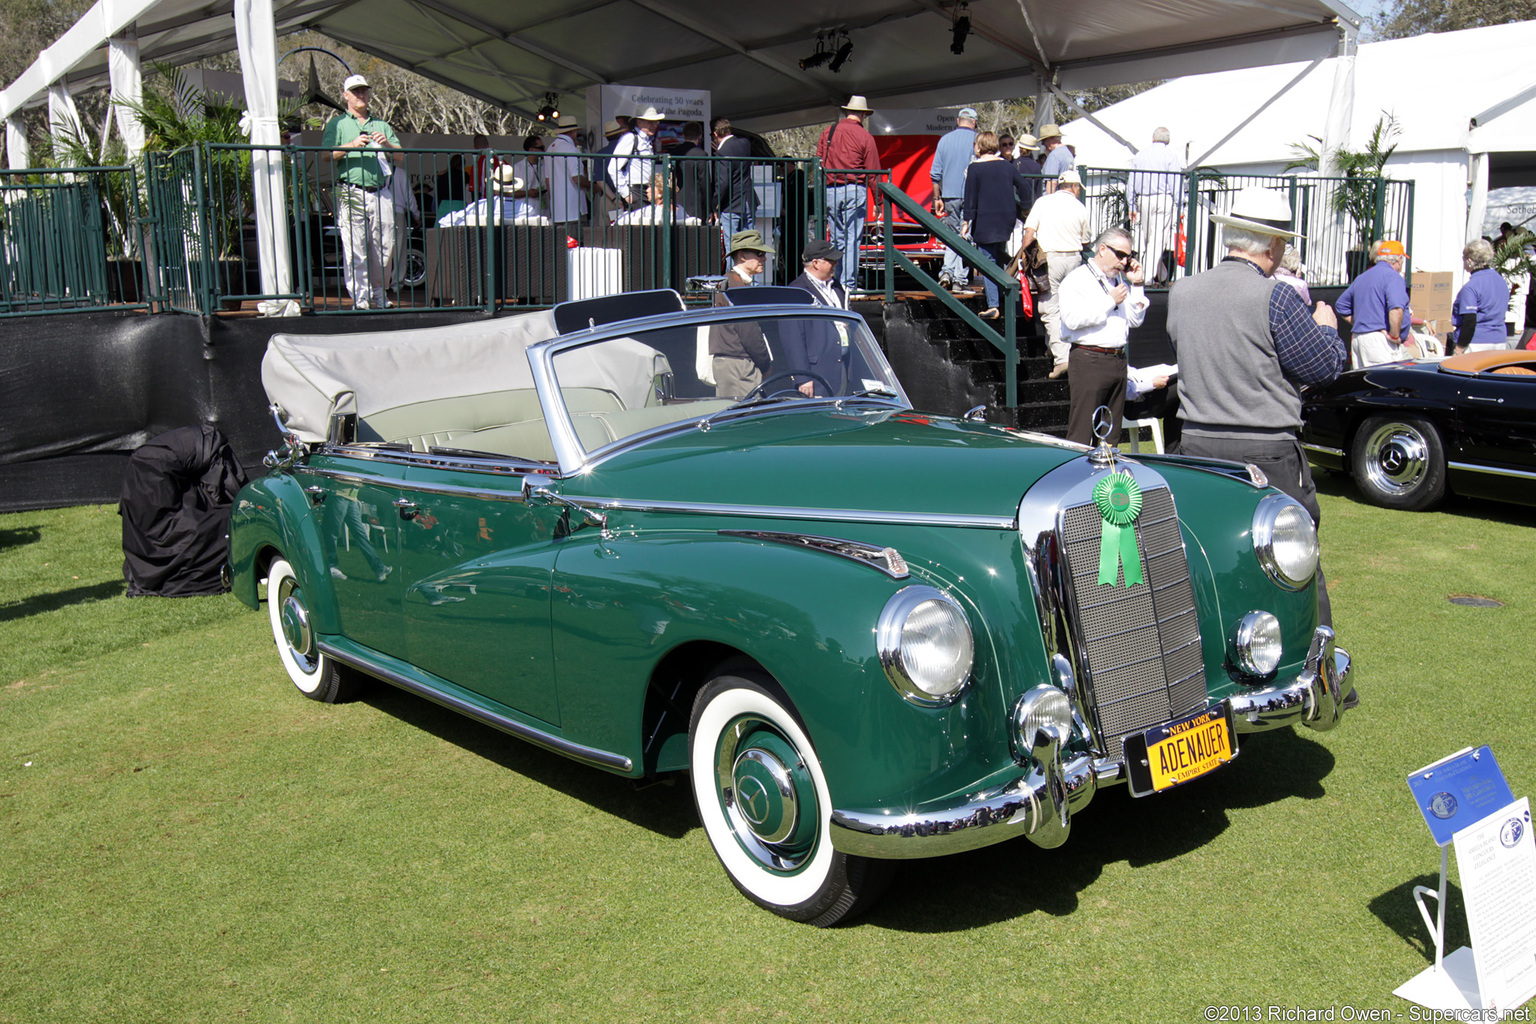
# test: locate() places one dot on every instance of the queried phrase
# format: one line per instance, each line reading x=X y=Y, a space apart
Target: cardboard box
x=1432 y=295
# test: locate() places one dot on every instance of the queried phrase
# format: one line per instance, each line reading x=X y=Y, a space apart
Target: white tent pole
x=63 y=115
x=18 y=152
x=1341 y=104
x=127 y=77
x=1287 y=87
x=1477 y=205
x=256 y=36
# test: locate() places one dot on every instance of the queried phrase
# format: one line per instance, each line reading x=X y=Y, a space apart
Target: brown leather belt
x=1118 y=353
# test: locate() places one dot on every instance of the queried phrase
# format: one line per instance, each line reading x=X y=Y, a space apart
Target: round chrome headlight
x=925 y=645
x=1041 y=715
x=1285 y=541
x=1256 y=644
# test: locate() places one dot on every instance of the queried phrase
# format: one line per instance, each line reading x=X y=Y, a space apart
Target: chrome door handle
x=316 y=494
x=407 y=508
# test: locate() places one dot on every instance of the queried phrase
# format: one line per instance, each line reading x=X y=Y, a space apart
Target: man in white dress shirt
x=1152 y=195
x=1100 y=302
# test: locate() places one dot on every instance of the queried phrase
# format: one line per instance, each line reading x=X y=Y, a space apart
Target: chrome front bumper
x=1041 y=803
x=1317 y=698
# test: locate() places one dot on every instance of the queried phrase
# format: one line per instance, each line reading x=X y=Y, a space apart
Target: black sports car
x=1408 y=431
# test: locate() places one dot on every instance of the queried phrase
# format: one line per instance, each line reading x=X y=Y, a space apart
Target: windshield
x=618 y=387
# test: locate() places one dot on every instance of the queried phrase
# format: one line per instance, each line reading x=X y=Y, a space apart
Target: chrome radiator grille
x=1140 y=647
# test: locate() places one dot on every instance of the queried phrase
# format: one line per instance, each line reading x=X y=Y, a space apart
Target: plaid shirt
x=1308 y=353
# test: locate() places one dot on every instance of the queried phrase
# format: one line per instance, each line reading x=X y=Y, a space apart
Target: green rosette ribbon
x=1118 y=498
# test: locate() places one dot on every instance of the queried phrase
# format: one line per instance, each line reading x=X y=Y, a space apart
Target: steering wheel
x=784 y=375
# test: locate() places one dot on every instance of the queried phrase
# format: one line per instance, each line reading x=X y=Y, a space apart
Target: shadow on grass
x=661 y=807
x=1339 y=485
x=17 y=538
x=1017 y=878
x=1396 y=909
x=997 y=883
x=52 y=602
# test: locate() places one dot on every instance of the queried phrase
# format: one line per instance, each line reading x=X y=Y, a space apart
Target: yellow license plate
x=1188 y=749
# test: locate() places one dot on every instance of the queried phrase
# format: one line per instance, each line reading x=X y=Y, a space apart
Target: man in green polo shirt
x=365 y=207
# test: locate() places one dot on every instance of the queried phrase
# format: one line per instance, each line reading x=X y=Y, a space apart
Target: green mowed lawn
x=185 y=838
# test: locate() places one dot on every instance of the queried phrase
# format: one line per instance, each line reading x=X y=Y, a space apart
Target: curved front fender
x=274 y=513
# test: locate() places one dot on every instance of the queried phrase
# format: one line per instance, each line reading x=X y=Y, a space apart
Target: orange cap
x=1392 y=248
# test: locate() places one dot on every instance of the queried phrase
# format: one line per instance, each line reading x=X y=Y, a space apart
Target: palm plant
x=1359 y=194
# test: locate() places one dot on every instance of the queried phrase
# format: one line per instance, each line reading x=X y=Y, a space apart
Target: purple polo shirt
x=1371 y=296
x=1485 y=294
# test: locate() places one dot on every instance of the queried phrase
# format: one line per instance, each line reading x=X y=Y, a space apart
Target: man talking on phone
x=1100 y=302
x=365 y=210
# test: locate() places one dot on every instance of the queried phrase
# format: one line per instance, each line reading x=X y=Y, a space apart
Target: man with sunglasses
x=1100 y=302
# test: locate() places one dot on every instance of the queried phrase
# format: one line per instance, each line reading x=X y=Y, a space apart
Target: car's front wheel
x=764 y=803
x=1399 y=462
x=317 y=675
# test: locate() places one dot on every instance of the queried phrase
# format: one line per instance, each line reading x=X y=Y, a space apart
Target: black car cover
x=177 y=491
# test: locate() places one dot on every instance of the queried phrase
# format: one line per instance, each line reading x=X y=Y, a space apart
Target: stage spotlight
x=549 y=111
x=841 y=57
x=818 y=58
x=962 y=28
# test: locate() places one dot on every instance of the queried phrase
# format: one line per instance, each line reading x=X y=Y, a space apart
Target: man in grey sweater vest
x=1246 y=347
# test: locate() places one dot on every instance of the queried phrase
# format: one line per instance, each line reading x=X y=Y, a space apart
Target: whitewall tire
x=763 y=800
x=317 y=675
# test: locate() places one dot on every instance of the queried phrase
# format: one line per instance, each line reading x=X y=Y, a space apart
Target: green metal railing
x=71 y=240
x=1005 y=340
x=183 y=236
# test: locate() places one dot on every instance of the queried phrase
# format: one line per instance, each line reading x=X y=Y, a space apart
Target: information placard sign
x=1459 y=790
x=1497 y=860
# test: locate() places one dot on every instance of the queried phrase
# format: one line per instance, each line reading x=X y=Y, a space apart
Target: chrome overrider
x=1040 y=803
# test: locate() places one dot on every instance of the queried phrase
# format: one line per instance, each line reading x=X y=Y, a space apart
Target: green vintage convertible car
x=868 y=634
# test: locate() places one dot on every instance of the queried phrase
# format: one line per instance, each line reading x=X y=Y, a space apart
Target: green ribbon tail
x=1110 y=546
x=1129 y=556
x=1118 y=547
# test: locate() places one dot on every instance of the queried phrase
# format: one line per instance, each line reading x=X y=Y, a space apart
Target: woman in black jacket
x=994 y=193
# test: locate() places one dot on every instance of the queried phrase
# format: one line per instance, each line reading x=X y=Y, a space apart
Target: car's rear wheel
x=1399 y=462
x=317 y=675
x=765 y=806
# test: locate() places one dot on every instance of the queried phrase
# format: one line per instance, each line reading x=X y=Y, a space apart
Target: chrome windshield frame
x=572 y=458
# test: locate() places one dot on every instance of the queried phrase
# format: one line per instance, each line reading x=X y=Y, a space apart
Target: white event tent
x=1465 y=103
x=900 y=53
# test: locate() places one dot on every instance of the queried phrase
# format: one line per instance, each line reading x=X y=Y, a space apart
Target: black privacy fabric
x=177 y=491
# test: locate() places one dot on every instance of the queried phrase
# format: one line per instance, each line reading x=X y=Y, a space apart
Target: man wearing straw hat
x=633 y=157
x=365 y=207
x=848 y=155
x=1245 y=346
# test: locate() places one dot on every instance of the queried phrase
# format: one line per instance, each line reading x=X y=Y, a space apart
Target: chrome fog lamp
x=925 y=645
x=1256 y=644
x=1285 y=541
x=1041 y=716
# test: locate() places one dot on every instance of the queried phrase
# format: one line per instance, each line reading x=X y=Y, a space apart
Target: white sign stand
x=1497 y=861
x=1451 y=983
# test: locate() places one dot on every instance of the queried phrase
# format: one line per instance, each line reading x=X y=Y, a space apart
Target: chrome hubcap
x=768 y=796
x=297 y=632
x=1397 y=458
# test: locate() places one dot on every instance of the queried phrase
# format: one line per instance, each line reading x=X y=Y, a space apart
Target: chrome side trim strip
x=575 y=751
x=887 y=560
x=1469 y=467
x=512 y=494
x=1323 y=449
x=789 y=512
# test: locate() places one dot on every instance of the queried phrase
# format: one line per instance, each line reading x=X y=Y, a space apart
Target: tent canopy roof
x=1425 y=82
x=511 y=54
